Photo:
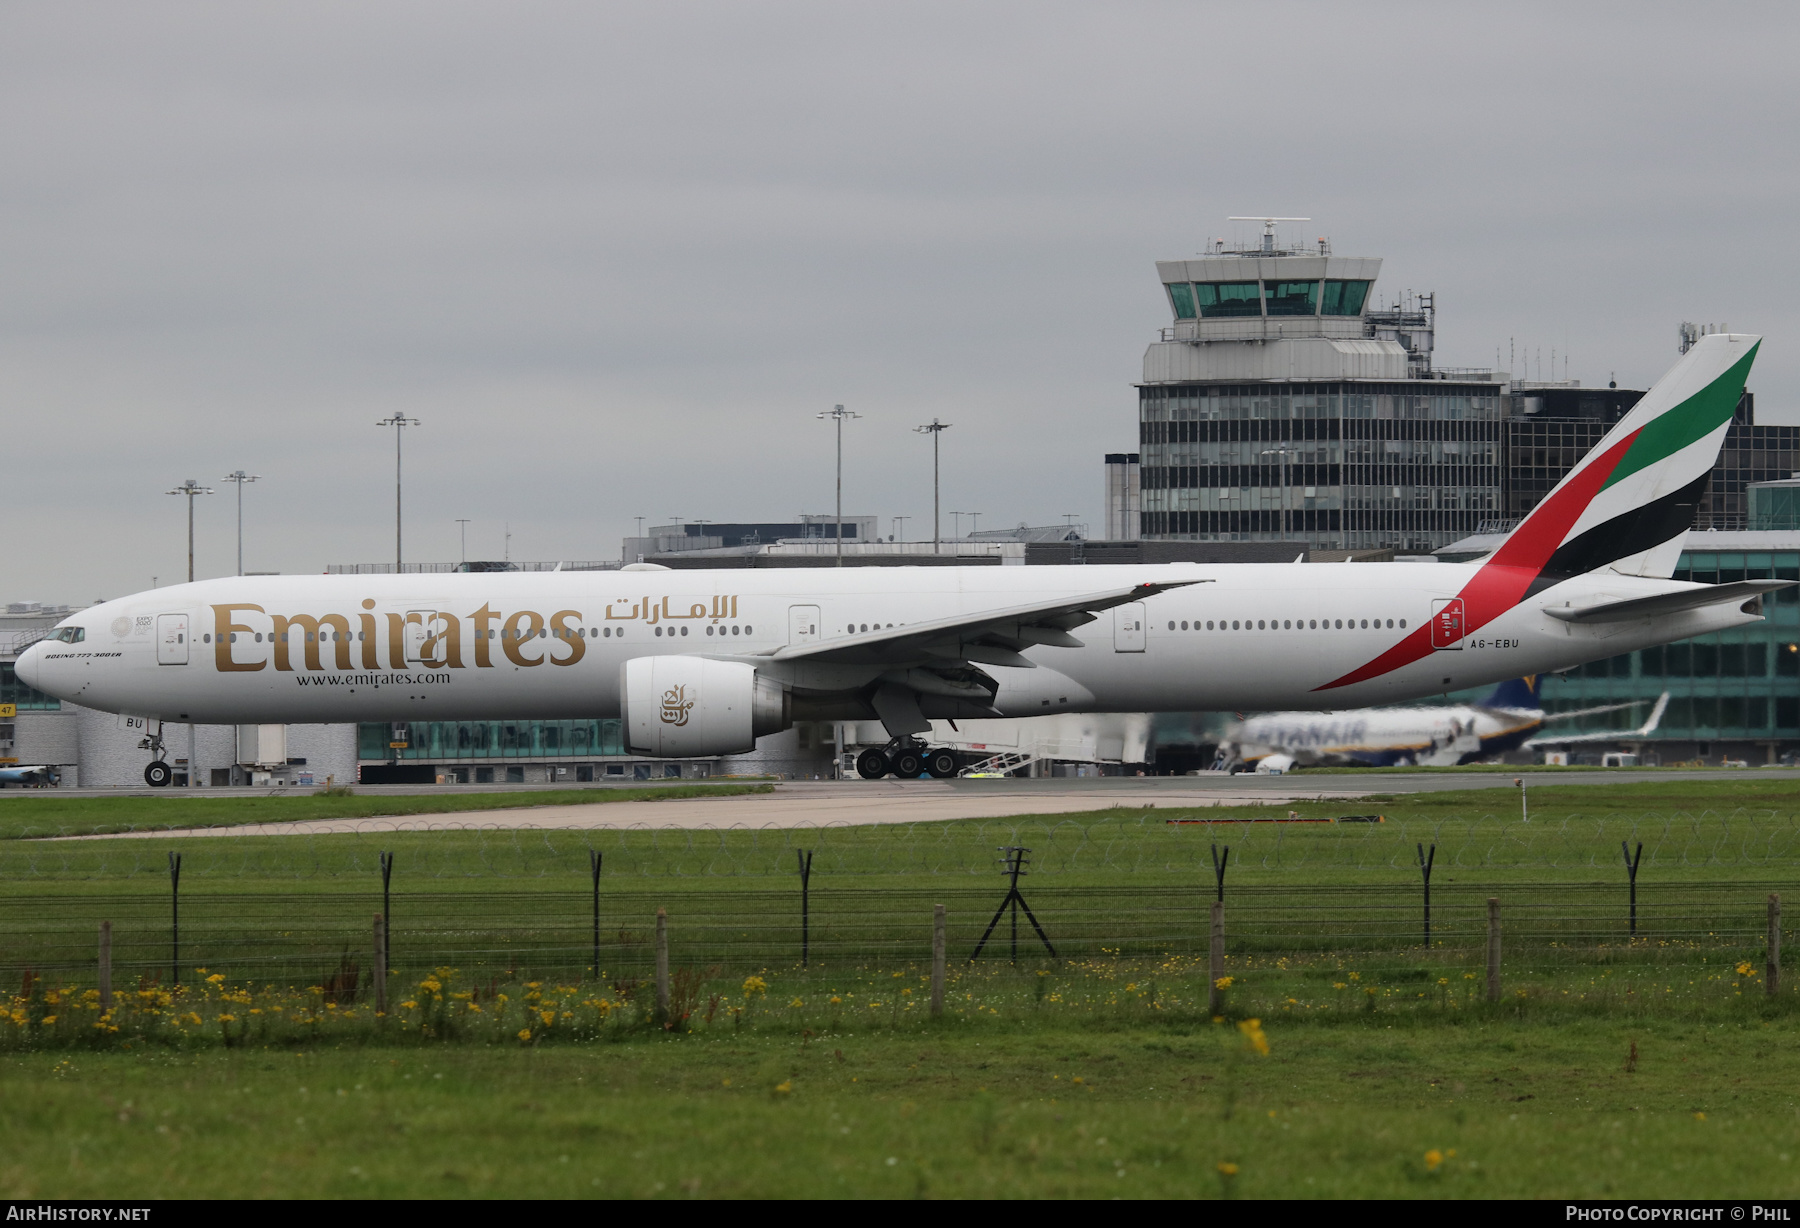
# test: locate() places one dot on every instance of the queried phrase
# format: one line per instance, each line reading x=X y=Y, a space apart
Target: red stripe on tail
x=1504 y=579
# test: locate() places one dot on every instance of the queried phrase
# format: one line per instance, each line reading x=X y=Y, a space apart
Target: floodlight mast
x=934 y=428
x=190 y=488
x=837 y=414
x=399 y=422
x=240 y=478
x=1268 y=243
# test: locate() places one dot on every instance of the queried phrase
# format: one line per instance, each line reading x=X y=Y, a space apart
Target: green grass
x=26 y=818
x=1537 y=1107
x=1382 y=1049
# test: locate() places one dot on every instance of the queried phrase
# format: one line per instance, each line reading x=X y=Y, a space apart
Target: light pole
x=934 y=428
x=464 y=522
x=240 y=477
x=899 y=522
x=190 y=488
x=838 y=414
x=1283 y=454
x=399 y=422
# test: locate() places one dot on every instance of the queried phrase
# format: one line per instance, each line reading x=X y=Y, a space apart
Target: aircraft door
x=1447 y=623
x=171 y=639
x=803 y=624
x=1128 y=627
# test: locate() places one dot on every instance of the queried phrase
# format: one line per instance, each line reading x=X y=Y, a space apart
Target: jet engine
x=681 y=707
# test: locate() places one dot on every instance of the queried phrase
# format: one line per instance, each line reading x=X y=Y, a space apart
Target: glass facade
x=1213 y=300
x=1552 y=429
x=12 y=691
x=1358 y=466
x=1344 y=298
x=451 y=741
x=1734 y=686
x=1219 y=299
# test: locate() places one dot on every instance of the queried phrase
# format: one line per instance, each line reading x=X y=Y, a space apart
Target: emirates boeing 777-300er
x=702 y=663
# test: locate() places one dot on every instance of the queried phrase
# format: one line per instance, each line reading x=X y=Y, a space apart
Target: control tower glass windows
x=1345 y=298
x=1182 y=296
x=1291 y=298
x=1229 y=298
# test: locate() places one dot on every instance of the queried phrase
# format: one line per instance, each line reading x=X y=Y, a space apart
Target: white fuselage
x=1446 y=735
x=551 y=645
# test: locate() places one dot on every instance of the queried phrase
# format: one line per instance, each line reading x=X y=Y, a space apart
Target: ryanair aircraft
x=702 y=663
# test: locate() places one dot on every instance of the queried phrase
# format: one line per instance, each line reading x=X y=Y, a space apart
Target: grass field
x=1099 y=1072
x=28 y=817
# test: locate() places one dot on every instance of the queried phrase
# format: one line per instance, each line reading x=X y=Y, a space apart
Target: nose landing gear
x=158 y=774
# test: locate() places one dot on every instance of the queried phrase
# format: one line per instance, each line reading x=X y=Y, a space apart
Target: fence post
x=1772 y=973
x=1216 y=962
x=387 y=875
x=662 y=967
x=594 y=860
x=937 y=960
x=380 y=964
x=1493 y=984
x=804 y=856
x=1219 y=864
x=174 y=918
x=1425 y=863
x=105 y=973
x=1631 y=869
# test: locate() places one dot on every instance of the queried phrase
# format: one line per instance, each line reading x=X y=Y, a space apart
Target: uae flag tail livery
x=1623 y=509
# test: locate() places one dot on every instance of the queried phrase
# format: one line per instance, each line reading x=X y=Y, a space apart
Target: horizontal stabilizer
x=1666 y=603
x=1608 y=735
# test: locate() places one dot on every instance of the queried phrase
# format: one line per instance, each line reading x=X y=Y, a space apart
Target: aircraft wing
x=987 y=637
x=1666 y=603
x=1569 y=716
x=1610 y=735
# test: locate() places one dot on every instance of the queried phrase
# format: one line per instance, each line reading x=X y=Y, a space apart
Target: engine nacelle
x=693 y=707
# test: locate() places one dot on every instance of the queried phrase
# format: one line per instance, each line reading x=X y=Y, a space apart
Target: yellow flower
x=783 y=1088
x=217 y=978
x=1223 y=982
x=1339 y=985
x=227 y=1018
x=549 y=1017
x=410 y=1005
x=1699 y=1116
x=1746 y=969
x=755 y=986
x=798 y=1002
x=1253 y=1035
x=524 y=1033
x=1433 y=1158
x=836 y=1001
x=52 y=1019
x=1227 y=1169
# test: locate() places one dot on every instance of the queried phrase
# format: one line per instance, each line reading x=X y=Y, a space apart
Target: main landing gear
x=907 y=760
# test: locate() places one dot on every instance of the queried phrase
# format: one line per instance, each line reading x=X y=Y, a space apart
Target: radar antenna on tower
x=1268 y=243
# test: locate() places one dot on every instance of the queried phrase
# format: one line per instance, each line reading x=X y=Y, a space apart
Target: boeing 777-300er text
x=702 y=663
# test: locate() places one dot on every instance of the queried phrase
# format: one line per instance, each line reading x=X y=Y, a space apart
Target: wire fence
x=305 y=937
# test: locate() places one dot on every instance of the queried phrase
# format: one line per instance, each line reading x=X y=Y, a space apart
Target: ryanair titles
x=433 y=639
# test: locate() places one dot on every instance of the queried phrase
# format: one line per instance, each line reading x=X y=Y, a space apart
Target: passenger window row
x=1289 y=624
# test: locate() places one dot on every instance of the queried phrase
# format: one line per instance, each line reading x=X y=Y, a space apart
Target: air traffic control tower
x=1282 y=404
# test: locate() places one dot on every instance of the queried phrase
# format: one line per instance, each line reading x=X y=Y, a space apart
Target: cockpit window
x=69 y=635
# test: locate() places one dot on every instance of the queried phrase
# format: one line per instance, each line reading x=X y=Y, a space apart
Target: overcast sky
x=615 y=256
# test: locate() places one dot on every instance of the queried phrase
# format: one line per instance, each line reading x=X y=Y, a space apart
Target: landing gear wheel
x=158 y=775
x=941 y=764
x=908 y=764
x=871 y=764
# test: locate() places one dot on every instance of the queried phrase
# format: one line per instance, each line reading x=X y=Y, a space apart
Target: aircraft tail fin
x=1630 y=500
x=1515 y=693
